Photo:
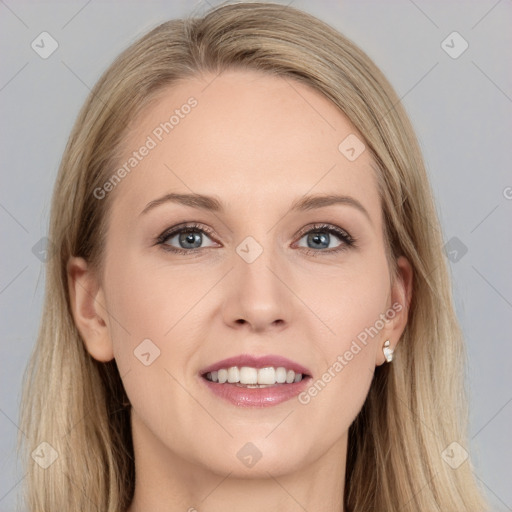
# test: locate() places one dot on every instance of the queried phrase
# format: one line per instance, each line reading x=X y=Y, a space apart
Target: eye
x=319 y=238
x=188 y=238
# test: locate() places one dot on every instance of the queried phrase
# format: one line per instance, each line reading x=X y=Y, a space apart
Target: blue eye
x=190 y=237
x=320 y=238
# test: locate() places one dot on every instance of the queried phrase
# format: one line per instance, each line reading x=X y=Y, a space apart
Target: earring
x=388 y=352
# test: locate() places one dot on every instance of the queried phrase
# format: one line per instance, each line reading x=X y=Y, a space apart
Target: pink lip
x=256 y=362
x=257 y=397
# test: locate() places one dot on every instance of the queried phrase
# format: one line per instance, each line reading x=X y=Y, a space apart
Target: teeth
x=248 y=375
x=254 y=377
x=280 y=375
x=233 y=375
x=266 y=376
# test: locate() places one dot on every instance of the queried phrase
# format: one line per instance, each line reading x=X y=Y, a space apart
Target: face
x=256 y=273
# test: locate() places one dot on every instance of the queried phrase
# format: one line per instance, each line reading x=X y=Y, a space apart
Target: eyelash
x=347 y=240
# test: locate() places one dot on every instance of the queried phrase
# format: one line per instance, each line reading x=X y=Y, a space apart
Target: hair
x=416 y=406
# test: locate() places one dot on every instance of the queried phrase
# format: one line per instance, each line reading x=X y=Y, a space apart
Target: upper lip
x=257 y=362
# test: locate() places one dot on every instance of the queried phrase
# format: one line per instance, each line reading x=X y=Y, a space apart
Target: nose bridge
x=256 y=248
x=257 y=259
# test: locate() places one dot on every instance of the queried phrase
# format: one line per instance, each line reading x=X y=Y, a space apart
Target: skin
x=257 y=144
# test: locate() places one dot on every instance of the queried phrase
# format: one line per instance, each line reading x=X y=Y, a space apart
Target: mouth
x=250 y=381
x=251 y=377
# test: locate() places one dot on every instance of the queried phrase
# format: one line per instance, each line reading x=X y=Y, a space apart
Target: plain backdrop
x=460 y=105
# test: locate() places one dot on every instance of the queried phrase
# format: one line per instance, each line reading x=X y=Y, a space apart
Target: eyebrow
x=213 y=204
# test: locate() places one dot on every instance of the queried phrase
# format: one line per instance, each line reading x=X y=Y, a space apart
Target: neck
x=167 y=482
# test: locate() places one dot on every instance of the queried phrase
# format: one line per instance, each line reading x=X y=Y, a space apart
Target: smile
x=254 y=377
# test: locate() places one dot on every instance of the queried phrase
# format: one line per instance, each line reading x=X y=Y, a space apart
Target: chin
x=256 y=458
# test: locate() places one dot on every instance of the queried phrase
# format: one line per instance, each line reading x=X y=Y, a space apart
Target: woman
x=250 y=308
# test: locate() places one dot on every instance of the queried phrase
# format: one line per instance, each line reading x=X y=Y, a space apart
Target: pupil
x=319 y=239
x=188 y=238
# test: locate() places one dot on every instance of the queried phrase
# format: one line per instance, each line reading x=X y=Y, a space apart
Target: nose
x=257 y=297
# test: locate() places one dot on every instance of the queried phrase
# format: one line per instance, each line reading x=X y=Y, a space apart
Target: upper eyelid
x=318 y=226
x=182 y=227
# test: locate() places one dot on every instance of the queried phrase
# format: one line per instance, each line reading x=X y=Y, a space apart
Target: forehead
x=247 y=138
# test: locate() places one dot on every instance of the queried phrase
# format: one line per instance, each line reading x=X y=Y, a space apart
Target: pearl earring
x=388 y=352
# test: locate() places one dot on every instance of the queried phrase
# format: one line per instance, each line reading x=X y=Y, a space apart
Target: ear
x=401 y=295
x=88 y=308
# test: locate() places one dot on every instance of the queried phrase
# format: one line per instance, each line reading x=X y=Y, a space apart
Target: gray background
x=461 y=109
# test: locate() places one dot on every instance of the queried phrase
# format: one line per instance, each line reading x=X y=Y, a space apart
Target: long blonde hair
x=416 y=407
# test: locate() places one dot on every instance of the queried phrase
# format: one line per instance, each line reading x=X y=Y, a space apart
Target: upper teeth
x=248 y=375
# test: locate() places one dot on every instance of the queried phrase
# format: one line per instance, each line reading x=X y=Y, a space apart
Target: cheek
x=151 y=335
x=352 y=301
x=352 y=305
x=147 y=299
x=151 y=308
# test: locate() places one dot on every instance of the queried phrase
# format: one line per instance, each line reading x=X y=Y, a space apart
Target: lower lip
x=257 y=397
